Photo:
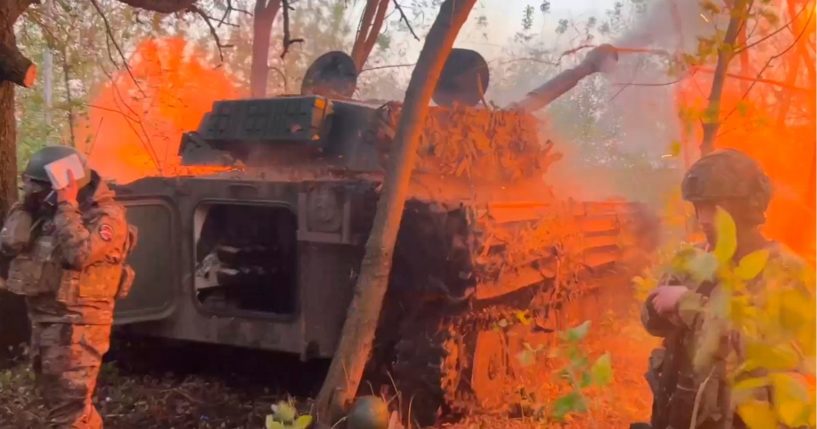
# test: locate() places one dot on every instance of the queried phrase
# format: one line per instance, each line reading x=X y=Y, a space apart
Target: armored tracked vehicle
x=263 y=253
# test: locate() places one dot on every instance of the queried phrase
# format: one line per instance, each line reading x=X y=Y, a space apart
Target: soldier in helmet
x=731 y=180
x=68 y=248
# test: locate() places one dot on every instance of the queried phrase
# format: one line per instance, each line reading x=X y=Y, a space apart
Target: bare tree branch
x=672 y=82
x=739 y=14
x=388 y=66
x=161 y=6
x=758 y=80
x=773 y=33
x=195 y=9
x=770 y=60
x=288 y=41
x=226 y=14
x=109 y=33
x=144 y=137
x=533 y=60
x=404 y=18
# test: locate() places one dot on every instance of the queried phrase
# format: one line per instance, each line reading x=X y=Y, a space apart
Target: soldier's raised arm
x=84 y=243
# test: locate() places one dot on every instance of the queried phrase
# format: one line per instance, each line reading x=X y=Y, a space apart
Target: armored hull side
x=264 y=254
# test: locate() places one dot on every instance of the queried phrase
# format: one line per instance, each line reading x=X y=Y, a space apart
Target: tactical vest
x=39 y=270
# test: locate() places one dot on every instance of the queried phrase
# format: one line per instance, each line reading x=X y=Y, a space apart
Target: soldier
x=68 y=248
x=674 y=311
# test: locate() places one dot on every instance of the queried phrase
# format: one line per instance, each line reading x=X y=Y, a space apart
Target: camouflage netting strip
x=470 y=142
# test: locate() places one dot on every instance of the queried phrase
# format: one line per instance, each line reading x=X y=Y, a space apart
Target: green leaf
x=757 y=415
x=742 y=310
x=270 y=423
x=726 y=233
x=573 y=402
x=602 y=370
x=523 y=317
x=797 y=313
x=675 y=148
x=284 y=411
x=772 y=357
x=742 y=108
x=791 y=400
x=751 y=265
x=586 y=380
x=578 y=333
x=745 y=389
x=702 y=266
x=526 y=358
x=303 y=422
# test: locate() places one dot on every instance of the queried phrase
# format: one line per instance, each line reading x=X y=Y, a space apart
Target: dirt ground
x=160 y=390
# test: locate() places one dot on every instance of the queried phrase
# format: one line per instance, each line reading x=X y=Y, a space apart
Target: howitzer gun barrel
x=598 y=59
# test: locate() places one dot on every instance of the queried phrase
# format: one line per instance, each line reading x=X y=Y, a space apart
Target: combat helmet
x=729 y=174
x=35 y=170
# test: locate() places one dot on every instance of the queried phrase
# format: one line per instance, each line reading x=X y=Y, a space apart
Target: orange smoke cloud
x=771 y=119
x=134 y=130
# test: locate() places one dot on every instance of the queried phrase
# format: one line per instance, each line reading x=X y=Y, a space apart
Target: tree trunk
x=369 y=29
x=711 y=123
x=745 y=65
x=264 y=17
x=14 y=69
x=355 y=346
x=68 y=97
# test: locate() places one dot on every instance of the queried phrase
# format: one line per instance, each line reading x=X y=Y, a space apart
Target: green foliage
x=767 y=302
x=579 y=372
x=285 y=416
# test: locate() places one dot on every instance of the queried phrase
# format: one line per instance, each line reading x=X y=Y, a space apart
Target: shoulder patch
x=105 y=232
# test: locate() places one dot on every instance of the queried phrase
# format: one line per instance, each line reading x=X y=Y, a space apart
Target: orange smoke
x=771 y=118
x=134 y=130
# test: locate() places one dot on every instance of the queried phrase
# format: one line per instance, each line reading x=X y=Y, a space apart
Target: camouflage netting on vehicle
x=473 y=143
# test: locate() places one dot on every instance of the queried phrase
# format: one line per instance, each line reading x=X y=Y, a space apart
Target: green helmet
x=35 y=170
x=729 y=174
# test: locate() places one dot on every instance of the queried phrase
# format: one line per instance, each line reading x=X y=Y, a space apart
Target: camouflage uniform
x=671 y=376
x=69 y=266
x=722 y=175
